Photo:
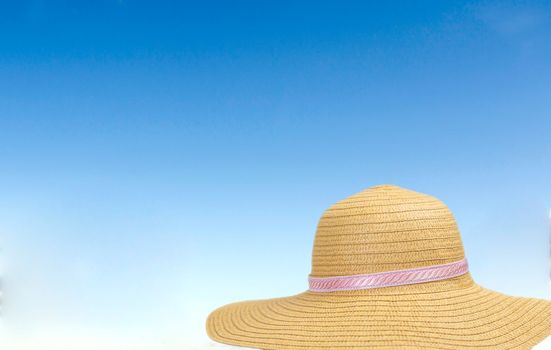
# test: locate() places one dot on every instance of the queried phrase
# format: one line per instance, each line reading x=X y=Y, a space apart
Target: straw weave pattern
x=375 y=233
x=385 y=229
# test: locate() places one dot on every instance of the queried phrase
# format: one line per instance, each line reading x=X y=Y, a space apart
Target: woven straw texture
x=386 y=228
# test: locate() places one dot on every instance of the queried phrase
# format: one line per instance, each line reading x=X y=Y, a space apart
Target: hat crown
x=385 y=228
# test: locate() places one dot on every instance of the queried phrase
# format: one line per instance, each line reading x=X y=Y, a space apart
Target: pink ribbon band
x=389 y=278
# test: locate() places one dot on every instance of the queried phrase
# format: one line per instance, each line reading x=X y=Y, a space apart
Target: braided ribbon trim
x=389 y=278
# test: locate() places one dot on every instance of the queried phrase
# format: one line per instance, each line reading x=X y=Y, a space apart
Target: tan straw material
x=386 y=228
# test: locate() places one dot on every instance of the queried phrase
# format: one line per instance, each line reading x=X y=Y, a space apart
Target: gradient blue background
x=160 y=159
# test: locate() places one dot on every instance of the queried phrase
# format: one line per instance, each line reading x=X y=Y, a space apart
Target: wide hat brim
x=451 y=314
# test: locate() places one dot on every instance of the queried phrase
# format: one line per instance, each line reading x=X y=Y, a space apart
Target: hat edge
x=231 y=324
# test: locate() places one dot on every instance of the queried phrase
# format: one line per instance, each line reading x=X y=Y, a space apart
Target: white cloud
x=512 y=20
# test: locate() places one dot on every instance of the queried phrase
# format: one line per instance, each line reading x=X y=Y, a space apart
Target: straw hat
x=388 y=272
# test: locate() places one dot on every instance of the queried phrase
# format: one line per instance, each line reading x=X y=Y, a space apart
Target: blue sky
x=151 y=151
